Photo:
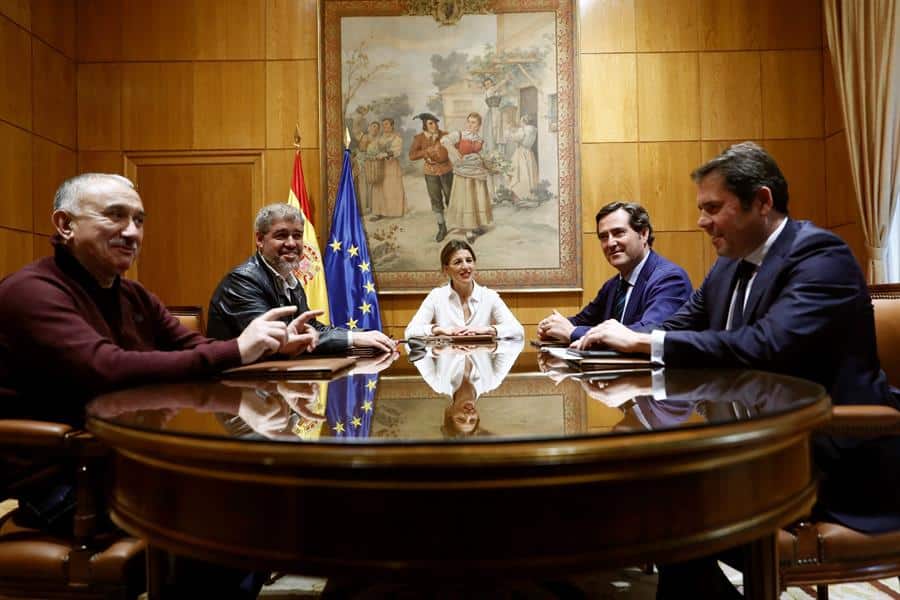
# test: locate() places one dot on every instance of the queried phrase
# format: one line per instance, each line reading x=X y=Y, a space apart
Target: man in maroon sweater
x=72 y=327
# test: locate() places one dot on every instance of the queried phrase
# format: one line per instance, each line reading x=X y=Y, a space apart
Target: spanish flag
x=311 y=273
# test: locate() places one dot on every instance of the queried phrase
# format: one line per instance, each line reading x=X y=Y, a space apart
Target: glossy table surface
x=468 y=459
x=456 y=396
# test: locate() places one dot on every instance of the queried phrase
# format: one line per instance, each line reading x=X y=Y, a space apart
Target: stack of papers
x=600 y=360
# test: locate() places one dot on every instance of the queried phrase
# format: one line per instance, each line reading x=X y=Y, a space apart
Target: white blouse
x=442 y=307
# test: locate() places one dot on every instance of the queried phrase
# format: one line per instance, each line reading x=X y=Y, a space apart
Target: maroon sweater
x=65 y=339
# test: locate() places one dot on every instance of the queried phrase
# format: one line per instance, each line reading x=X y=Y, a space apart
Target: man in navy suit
x=784 y=296
x=647 y=290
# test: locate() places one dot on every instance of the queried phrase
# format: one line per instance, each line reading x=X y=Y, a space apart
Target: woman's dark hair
x=451 y=247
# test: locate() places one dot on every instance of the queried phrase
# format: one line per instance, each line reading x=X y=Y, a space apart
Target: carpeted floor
x=628 y=584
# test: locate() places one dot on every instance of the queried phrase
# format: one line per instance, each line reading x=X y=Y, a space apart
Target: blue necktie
x=744 y=273
x=619 y=301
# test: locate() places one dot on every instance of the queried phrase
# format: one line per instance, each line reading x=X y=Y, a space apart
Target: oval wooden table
x=555 y=479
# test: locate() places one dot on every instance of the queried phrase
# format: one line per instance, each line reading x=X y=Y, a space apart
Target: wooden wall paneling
x=18 y=11
x=730 y=98
x=853 y=235
x=667 y=191
x=200 y=210
x=792 y=94
x=609 y=172
x=18 y=250
x=794 y=24
x=229 y=108
x=53 y=164
x=99 y=106
x=672 y=25
x=54 y=95
x=41 y=246
x=15 y=74
x=731 y=25
x=291 y=98
x=158 y=30
x=595 y=270
x=54 y=22
x=99 y=30
x=688 y=249
x=607 y=25
x=232 y=30
x=668 y=96
x=291 y=29
x=609 y=98
x=15 y=177
x=834 y=116
x=803 y=164
x=398 y=310
x=842 y=205
x=711 y=149
x=532 y=307
x=157 y=106
x=101 y=162
x=279 y=165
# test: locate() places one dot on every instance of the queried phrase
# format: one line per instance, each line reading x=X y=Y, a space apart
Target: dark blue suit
x=662 y=287
x=808 y=314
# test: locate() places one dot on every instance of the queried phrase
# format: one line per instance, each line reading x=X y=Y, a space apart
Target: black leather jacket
x=250 y=290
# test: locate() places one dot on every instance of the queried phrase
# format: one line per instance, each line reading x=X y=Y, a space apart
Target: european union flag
x=348 y=269
x=350 y=406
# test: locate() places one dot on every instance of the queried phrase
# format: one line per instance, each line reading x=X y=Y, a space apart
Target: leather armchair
x=80 y=564
x=824 y=553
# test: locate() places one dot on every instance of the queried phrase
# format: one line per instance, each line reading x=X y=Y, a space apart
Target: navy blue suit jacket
x=662 y=287
x=808 y=314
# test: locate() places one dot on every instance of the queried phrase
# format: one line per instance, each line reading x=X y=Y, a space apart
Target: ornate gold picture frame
x=462 y=123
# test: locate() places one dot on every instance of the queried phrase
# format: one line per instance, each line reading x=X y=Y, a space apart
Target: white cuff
x=657 y=345
x=658 y=383
x=349 y=339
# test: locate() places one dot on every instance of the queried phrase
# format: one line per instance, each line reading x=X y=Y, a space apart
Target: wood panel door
x=200 y=211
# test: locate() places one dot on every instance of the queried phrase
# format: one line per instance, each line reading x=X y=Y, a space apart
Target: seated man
x=784 y=296
x=266 y=281
x=647 y=290
x=72 y=327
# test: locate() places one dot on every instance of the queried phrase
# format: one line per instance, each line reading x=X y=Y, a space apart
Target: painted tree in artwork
x=360 y=70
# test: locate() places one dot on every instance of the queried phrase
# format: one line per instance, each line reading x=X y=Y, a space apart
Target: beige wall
x=178 y=86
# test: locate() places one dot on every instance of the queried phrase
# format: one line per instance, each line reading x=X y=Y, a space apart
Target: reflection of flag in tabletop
x=348 y=269
x=350 y=406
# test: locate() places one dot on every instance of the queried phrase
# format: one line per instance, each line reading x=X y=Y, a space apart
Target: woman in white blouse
x=462 y=307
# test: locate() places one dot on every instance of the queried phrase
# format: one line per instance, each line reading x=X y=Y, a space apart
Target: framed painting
x=461 y=121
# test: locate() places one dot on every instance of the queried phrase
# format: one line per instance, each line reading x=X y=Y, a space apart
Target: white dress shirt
x=442 y=307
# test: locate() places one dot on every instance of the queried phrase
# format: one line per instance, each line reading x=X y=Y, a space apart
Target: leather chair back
x=190 y=316
x=886 y=300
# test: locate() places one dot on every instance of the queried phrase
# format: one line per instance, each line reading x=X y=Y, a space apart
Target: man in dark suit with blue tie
x=647 y=290
x=784 y=296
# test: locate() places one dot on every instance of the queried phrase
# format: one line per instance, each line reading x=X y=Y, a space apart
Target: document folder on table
x=600 y=360
x=458 y=340
x=305 y=368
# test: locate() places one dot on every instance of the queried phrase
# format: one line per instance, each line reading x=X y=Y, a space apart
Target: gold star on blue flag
x=349 y=408
x=348 y=274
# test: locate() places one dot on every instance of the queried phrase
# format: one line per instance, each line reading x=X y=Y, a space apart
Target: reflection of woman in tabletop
x=462 y=307
x=464 y=373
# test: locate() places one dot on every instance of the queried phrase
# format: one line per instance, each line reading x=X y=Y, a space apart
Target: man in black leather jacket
x=266 y=280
